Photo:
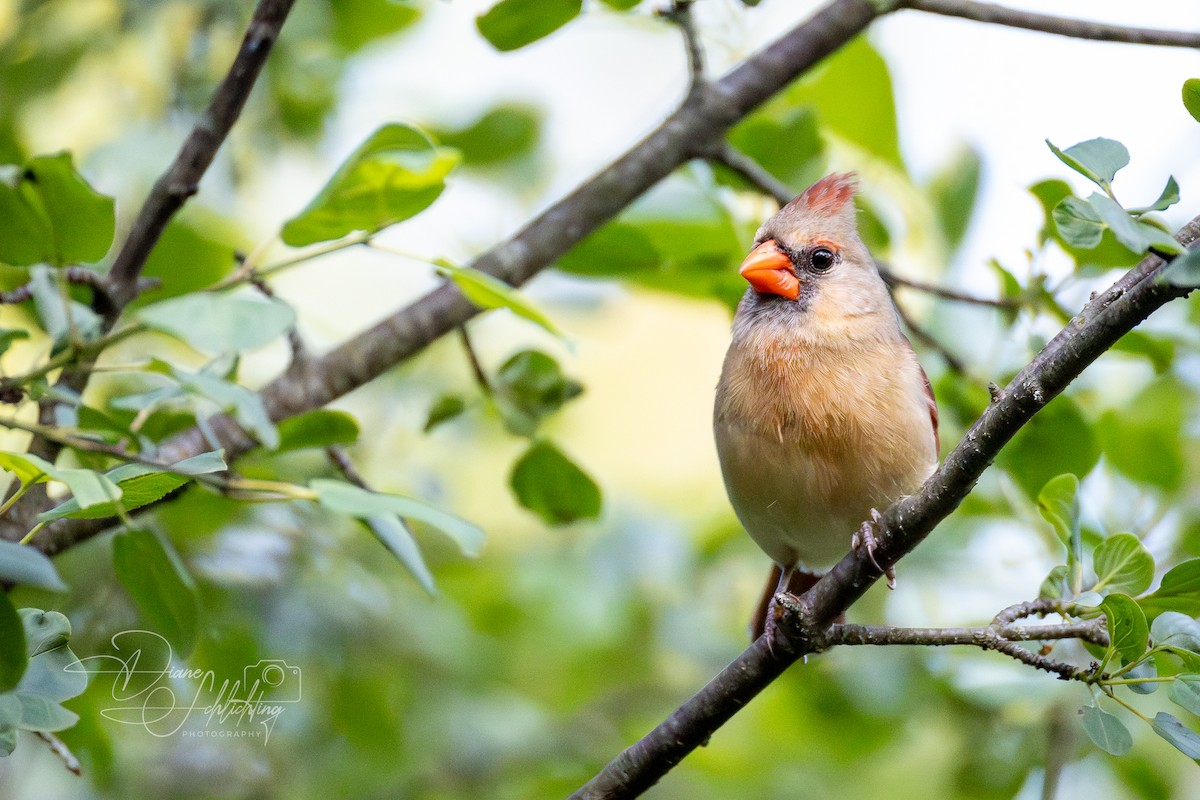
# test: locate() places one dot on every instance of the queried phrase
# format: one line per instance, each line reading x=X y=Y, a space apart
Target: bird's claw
x=864 y=541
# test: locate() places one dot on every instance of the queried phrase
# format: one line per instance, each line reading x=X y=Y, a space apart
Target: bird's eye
x=821 y=259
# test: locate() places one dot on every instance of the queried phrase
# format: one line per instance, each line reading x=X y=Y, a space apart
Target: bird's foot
x=864 y=541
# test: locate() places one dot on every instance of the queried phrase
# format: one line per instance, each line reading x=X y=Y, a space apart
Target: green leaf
x=65 y=320
x=1106 y=731
x=1167 y=198
x=21 y=564
x=1127 y=438
x=394 y=175
x=41 y=714
x=1142 y=670
x=1179 y=590
x=140 y=485
x=616 y=249
x=8 y=734
x=1058 y=503
x=345 y=498
x=10 y=335
x=197 y=249
x=216 y=322
x=1123 y=564
x=530 y=386
x=1177 y=631
x=1191 y=97
x=505 y=132
x=512 y=24
x=1183 y=738
x=49 y=214
x=13 y=656
x=1078 y=224
x=553 y=487
x=10 y=712
x=487 y=291
x=245 y=406
x=784 y=138
x=1127 y=628
x=1098 y=160
x=1109 y=254
x=446 y=407
x=1158 y=349
x=44 y=630
x=953 y=191
x=54 y=674
x=1134 y=234
x=1057 y=440
x=160 y=585
x=396 y=537
x=1184 y=270
x=1057 y=584
x=1185 y=691
x=321 y=427
x=88 y=488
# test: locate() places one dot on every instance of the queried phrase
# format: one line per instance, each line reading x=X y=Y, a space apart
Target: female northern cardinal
x=823 y=414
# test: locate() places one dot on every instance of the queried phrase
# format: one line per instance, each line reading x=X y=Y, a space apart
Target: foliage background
x=558 y=646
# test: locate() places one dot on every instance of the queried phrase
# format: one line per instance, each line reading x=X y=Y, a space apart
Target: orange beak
x=769 y=271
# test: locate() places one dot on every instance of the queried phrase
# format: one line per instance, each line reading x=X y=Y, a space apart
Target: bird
x=822 y=415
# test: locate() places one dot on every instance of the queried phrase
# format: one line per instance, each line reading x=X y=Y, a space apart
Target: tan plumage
x=822 y=411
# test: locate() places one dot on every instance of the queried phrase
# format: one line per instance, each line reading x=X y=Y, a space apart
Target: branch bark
x=903 y=526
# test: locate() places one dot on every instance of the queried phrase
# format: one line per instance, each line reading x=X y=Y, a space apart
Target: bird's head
x=809 y=259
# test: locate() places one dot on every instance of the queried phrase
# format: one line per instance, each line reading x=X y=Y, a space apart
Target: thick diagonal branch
x=1108 y=317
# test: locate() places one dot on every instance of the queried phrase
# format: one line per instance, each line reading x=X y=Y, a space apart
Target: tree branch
x=903 y=526
x=751 y=171
x=181 y=180
x=893 y=280
x=1059 y=26
x=680 y=12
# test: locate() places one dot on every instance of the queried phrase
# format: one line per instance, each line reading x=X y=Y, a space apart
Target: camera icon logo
x=274 y=680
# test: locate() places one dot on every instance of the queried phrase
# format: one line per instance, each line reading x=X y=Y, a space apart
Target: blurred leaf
x=196 y=250
x=1184 y=270
x=1127 y=438
x=396 y=537
x=321 y=427
x=245 y=406
x=1057 y=584
x=44 y=630
x=217 y=322
x=10 y=335
x=487 y=291
x=553 y=487
x=1123 y=564
x=617 y=248
x=1078 y=223
x=445 y=408
x=13 y=657
x=1143 y=670
x=1098 y=160
x=1057 y=440
x=784 y=139
x=1183 y=738
x=160 y=585
x=89 y=488
x=530 y=386
x=41 y=714
x=1191 y=97
x=1185 y=691
x=1106 y=731
x=1058 y=503
x=140 y=485
x=394 y=175
x=64 y=319
x=1172 y=629
x=359 y=22
x=49 y=214
x=21 y=564
x=504 y=132
x=623 y=5
x=1158 y=349
x=512 y=24
x=856 y=70
x=953 y=191
x=1167 y=198
x=1127 y=628
x=345 y=498
x=1179 y=590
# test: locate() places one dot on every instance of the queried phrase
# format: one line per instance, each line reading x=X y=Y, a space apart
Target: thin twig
x=680 y=12
x=80 y=276
x=892 y=279
x=926 y=338
x=473 y=359
x=750 y=170
x=182 y=179
x=60 y=749
x=1059 y=26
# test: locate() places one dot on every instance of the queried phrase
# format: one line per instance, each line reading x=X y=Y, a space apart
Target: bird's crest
x=827 y=196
